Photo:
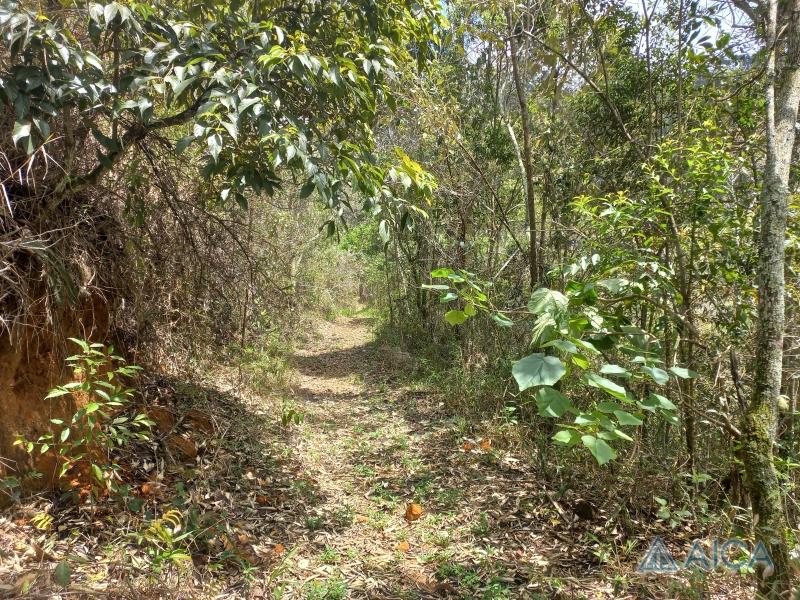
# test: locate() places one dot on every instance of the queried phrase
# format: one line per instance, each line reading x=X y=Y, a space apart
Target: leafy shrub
x=101 y=424
x=165 y=539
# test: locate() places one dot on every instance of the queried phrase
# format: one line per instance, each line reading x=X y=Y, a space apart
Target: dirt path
x=373 y=447
x=317 y=510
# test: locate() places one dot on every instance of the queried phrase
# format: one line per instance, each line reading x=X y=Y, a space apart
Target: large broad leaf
x=614 y=284
x=608 y=386
x=601 y=451
x=537 y=369
x=444 y=272
x=655 y=401
x=683 y=373
x=551 y=402
x=660 y=376
x=626 y=418
x=568 y=437
x=545 y=300
x=563 y=345
x=581 y=361
x=455 y=317
x=615 y=370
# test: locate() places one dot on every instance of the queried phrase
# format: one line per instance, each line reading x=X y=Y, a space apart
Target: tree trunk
x=526 y=152
x=782 y=95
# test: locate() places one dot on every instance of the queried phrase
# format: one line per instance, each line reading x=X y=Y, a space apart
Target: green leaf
x=83 y=344
x=563 y=345
x=615 y=370
x=384 y=231
x=182 y=144
x=623 y=435
x=65 y=434
x=601 y=451
x=545 y=300
x=502 y=320
x=455 y=317
x=469 y=310
x=441 y=272
x=435 y=286
x=580 y=361
x=56 y=392
x=626 y=418
x=98 y=473
x=657 y=401
x=567 y=437
x=179 y=88
x=608 y=386
x=660 y=376
x=614 y=284
x=551 y=402
x=62 y=574
x=42 y=126
x=586 y=419
x=110 y=11
x=537 y=369
x=307 y=189
x=584 y=345
x=21 y=131
x=92 y=407
x=214 y=145
x=682 y=372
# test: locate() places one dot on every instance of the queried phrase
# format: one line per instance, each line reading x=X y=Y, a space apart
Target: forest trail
x=372 y=446
x=378 y=492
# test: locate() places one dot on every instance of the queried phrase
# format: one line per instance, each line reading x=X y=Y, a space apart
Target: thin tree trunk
x=782 y=96
x=250 y=273
x=526 y=153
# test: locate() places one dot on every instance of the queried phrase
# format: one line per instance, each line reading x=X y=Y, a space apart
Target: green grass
x=314 y=523
x=363 y=470
x=330 y=556
x=332 y=589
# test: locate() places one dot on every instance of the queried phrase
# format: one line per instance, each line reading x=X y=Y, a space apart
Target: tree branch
x=595 y=88
x=133 y=135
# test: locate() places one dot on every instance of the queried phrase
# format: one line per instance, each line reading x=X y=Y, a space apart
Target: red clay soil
x=30 y=365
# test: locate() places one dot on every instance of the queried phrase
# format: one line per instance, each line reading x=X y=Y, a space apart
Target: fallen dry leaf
x=149 y=488
x=200 y=420
x=162 y=417
x=413 y=512
x=182 y=446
